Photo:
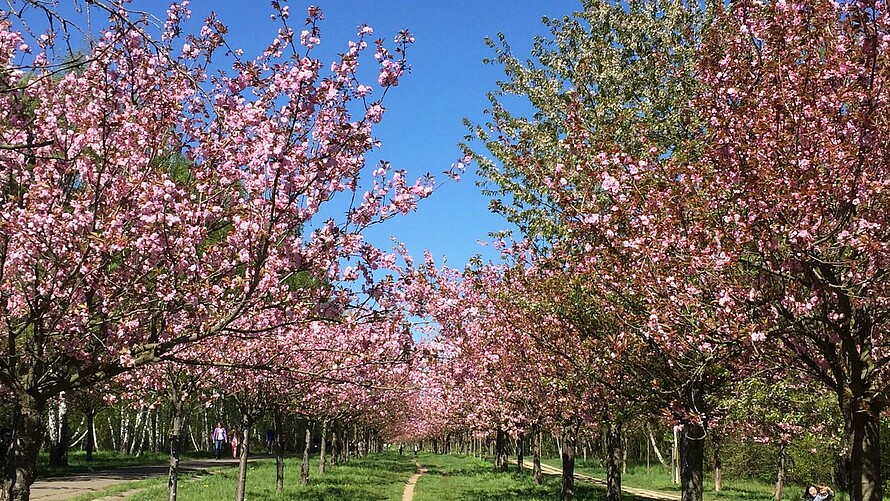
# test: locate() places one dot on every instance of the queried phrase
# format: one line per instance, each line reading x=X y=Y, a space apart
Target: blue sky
x=422 y=126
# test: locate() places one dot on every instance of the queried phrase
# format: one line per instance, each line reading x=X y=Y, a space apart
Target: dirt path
x=643 y=493
x=408 y=495
x=57 y=488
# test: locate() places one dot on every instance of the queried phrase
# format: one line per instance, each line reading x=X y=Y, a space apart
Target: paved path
x=643 y=493
x=56 y=488
x=408 y=495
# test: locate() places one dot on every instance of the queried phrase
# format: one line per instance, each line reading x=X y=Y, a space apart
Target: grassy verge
x=372 y=478
x=102 y=460
x=465 y=478
x=657 y=478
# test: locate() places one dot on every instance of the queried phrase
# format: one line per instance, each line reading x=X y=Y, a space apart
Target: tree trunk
x=520 y=457
x=567 y=492
x=304 y=471
x=536 y=430
x=865 y=457
x=175 y=445
x=613 y=461
x=501 y=463
x=241 y=490
x=335 y=444
x=21 y=448
x=91 y=433
x=692 y=451
x=278 y=445
x=718 y=466
x=321 y=450
x=655 y=447
x=780 y=474
x=58 y=432
x=675 y=457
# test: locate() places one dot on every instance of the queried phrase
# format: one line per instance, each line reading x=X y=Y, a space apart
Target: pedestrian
x=219 y=437
x=235 y=443
x=416 y=448
x=270 y=438
x=818 y=493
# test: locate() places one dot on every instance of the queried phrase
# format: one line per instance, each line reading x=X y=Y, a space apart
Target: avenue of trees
x=699 y=192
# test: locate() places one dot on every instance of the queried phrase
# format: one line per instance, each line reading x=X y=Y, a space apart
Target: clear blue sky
x=422 y=126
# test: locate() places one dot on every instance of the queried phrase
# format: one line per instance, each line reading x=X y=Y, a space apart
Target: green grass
x=102 y=460
x=465 y=478
x=657 y=478
x=373 y=478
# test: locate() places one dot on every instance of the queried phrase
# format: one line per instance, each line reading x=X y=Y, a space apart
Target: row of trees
x=700 y=190
x=161 y=236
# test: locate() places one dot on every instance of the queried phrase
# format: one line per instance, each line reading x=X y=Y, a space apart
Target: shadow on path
x=57 y=488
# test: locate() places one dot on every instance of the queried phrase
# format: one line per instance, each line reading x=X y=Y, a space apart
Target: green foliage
x=620 y=72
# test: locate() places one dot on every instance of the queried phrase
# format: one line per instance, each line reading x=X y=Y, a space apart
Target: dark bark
x=22 y=446
x=175 y=445
x=91 y=432
x=567 y=492
x=536 y=430
x=692 y=451
x=865 y=457
x=501 y=463
x=613 y=461
x=304 y=470
x=278 y=445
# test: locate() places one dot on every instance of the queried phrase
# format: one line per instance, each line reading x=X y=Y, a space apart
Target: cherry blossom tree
x=148 y=205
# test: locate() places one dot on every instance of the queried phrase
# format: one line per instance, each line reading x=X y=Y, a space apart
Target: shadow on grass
x=461 y=478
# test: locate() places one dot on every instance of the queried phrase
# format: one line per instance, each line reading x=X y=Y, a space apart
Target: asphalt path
x=69 y=486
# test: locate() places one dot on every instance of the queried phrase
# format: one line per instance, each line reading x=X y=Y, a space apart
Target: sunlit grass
x=372 y=478
x=465 y=478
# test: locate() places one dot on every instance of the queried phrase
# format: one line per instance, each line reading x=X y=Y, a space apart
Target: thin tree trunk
x=536 y=430
x=321 y=450
x=125 y=431
x=241 y=490
x=175 y=444
x=501 y=463
x=613 y=461
x=567 y=492
x=304 y=471
x=111 y=433
x=58 y=432
x=91 y=426
x=718 y=465
x=780 y=474
x=520 y=457
x=279 y=449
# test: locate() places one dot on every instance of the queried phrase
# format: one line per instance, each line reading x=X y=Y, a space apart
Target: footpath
x=69 y=486
x=643 y=493
x=408 y=494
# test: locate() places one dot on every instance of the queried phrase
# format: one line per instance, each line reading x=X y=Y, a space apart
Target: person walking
x=219 y=437
x=235 y=443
